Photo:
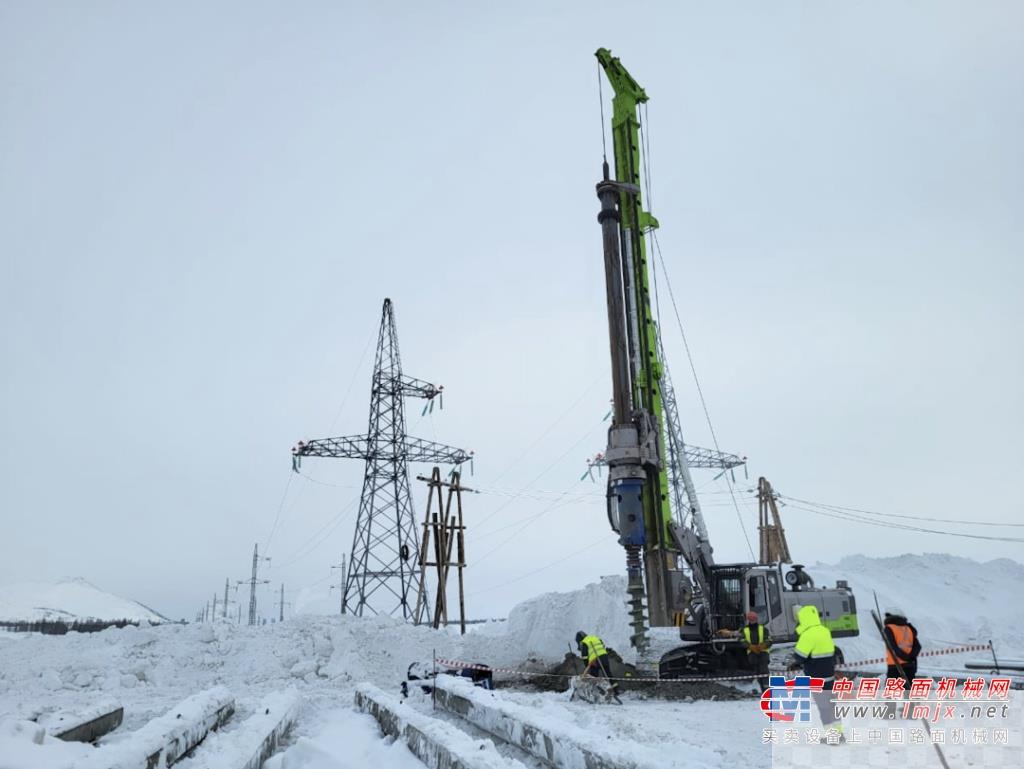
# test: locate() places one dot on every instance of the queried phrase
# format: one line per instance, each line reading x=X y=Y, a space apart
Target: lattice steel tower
x=383 y=576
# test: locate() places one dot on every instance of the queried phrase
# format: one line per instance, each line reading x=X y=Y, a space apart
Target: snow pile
x=151 y=669
x=24 y=744
x=69 y=600
x=950 y=600
x=545 y=626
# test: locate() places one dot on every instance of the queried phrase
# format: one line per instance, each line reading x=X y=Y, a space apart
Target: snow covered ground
x=150 y=669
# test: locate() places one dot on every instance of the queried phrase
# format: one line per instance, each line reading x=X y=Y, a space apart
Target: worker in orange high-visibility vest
x=901 y=646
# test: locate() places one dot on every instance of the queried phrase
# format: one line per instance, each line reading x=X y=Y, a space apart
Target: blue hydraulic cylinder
x=626 y=508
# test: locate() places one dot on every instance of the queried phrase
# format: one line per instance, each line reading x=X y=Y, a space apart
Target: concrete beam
x=256 y=739
x=564 y=746
x=84 y=726
x=164 y=740
x=437 y=744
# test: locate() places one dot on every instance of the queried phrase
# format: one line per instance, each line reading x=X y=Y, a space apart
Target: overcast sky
x=202 y=209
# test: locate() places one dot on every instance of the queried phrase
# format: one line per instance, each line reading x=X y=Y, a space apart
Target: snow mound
x=69 y=599
x=949 y=599
x=545 y=626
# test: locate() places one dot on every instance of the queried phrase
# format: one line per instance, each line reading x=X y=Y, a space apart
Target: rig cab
x=713 y=624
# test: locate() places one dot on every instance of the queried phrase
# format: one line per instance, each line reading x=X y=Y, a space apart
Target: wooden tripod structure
x=443 y=532
x=774 y=548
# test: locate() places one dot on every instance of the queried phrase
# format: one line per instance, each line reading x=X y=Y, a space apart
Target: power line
x=327 y=529
x=544 y=472
x=337 y=415
x=700 y=391
x=904 y=527
x=311 y=479
x=277 y=516
x=896 y=515
x=553 y=506
x=551 y=425
x=351 y=384
x=524 y=524
x=539 y=569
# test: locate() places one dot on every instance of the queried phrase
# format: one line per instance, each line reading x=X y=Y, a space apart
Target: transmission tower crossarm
x=711 y=459
x=421 y=450
x=359 y=447
x=696 y=456
x=417 y=388
x=344 y=447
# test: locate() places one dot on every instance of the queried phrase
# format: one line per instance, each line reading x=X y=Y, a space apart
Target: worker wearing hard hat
x=816 y=653
x=592 y=650
x=901 y=646
x=758 y=642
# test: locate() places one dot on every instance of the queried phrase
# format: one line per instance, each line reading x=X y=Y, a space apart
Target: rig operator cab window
x=728 y=607
x=757 y=596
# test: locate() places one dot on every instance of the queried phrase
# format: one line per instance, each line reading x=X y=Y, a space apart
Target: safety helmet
x=580 y=636
x=752 y=616
x=894 y=611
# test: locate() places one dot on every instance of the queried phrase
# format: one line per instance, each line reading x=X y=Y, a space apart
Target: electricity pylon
x=253 y=582
x=281 y=604
x=384 y=563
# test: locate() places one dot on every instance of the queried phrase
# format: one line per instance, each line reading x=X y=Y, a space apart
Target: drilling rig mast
x=638 y=494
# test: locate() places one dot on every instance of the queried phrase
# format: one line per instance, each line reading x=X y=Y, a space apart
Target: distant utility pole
x=341 y=585
x=281 y=604
x=225 y=612
x=253 y=581
x=774 y=548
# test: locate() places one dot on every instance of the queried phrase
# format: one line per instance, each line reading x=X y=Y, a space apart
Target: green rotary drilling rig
x=673 y=579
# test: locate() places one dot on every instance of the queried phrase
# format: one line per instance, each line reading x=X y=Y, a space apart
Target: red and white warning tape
x=471 y=666
x=933 y=653
x=696 y=679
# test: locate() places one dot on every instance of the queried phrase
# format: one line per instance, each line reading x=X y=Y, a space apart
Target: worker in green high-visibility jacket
x=815 y=652
x=594 y=653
